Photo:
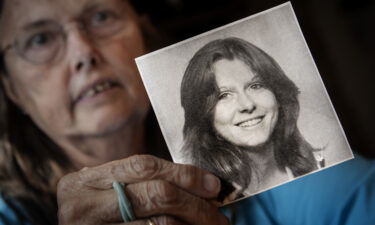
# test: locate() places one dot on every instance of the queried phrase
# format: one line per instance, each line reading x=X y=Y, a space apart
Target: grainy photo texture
x=246 y=102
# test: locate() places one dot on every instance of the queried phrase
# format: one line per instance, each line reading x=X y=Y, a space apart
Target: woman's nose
x=245 y=103
x=84 y=54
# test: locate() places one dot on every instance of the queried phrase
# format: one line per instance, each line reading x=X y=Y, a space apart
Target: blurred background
x=339 y=33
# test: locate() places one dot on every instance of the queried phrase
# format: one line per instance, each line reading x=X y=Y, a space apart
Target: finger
x=102 y=208
x=159 y=197
x=145 y=167
x=159 y=220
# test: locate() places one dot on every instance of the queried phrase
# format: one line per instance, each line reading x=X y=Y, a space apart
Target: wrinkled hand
x=162 y=191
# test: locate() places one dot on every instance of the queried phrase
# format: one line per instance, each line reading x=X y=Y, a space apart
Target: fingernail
x=211 y=183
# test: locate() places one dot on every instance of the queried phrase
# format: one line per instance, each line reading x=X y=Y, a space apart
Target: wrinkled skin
x=168 y=193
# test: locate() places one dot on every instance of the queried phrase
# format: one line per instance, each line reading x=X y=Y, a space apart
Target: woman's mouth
x=250 y=122
x=96 y=89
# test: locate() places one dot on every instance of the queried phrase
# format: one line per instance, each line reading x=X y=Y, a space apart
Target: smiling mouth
x=97 y=89
x=251 y=122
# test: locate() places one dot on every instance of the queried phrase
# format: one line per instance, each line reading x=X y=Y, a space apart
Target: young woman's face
x=81 y=83
x=246 y=112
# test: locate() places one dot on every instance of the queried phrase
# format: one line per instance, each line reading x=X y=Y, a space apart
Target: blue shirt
x=340 y=195
x=11 y=213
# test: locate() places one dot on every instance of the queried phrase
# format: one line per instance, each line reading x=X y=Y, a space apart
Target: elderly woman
x=72 y=99
x=72 y=125
x=241 y=115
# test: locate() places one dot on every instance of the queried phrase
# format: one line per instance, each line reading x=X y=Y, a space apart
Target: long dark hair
x=199 y=95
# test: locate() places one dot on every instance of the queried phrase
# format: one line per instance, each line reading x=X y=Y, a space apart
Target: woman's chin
x=255 y=144
x=105 y=123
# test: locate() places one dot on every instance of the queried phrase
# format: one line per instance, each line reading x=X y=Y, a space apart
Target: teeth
x=89 y=93
x=250 y=123
x=97 y=89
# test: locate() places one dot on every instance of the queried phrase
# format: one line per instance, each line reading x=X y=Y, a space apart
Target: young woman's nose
x=245 y=103
x=84 y=54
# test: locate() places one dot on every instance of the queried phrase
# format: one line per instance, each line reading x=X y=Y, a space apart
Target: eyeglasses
x=45 y=41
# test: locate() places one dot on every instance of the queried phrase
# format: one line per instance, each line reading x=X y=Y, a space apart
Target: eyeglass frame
x=62 y=35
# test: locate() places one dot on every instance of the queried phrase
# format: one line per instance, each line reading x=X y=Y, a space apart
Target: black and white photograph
x=246 y=102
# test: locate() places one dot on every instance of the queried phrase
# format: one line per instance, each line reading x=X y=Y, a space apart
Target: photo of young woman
x=241 y=114
x=246 y=102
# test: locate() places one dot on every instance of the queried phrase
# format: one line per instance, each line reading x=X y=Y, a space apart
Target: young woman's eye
x=256 y=86
x=224 y=95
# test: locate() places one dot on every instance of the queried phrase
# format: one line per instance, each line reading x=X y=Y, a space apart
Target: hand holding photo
x=245 y=102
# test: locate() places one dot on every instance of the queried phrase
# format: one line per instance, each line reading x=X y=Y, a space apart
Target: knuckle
x=139 y=197
x=162 y=193
x=112 y=169
x=145 y=166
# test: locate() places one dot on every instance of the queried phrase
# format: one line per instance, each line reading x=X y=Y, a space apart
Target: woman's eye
x=256 y=86
x=224 y=95
x=39 y=40
x=102 y=17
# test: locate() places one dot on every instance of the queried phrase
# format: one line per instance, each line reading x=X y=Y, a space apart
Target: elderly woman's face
x=246 y=112
x=71 y=66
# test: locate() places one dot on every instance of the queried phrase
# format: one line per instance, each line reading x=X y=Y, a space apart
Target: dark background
x=340 y=35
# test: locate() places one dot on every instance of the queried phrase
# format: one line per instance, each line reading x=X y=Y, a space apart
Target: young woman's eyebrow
x=226 y=88
x=255 y=78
